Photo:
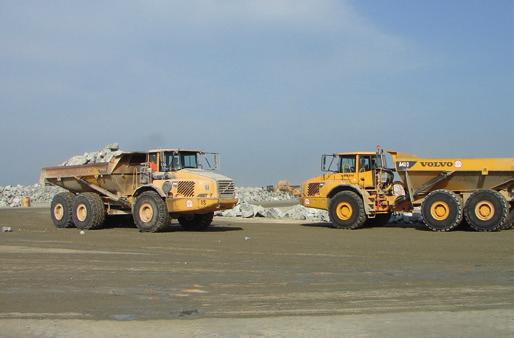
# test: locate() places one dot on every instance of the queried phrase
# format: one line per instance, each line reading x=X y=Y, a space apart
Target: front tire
x=150 y=212
x=88 y=211
x=61 y=210
x=196 y=222
x=442 y=210
x=487 y=210
x=346 y=210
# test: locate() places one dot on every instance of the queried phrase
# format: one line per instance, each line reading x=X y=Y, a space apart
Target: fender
x=147 y=187
x=355 y=188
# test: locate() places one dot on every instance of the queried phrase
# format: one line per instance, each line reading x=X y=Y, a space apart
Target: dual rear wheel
x=484 y=210
x=85 y=211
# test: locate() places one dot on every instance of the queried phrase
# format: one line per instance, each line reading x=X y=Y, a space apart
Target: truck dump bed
x=423 y=175
x=119 y=175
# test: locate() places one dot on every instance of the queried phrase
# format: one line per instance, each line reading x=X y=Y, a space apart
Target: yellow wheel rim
x=146 y=212
x=58 y=212
x=82 y=212
x=484 y=210
x=344 y=211
x=440 y=210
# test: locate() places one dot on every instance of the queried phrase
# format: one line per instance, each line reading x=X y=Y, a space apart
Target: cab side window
x=152 y=158
x=365 y=163
x=348 y=163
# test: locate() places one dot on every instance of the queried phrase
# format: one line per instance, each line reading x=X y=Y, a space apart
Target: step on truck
x=152 y=186
x=359 y=188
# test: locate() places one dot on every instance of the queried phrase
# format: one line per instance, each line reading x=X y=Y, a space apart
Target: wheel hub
x=440 y=210
x=82 y=212
x=146 y=212
x=484 y=210
x=58 y=212
x=344 y=211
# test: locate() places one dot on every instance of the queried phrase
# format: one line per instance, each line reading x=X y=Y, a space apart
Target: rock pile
x=255 y=195
x=250 y=200
x=101 y=156
x=407 y=217
x=11 y=195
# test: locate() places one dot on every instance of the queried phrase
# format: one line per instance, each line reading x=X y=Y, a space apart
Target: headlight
x=166 y=187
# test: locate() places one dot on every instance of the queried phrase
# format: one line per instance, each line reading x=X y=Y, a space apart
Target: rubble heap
x=250 y=200
x=11 y=195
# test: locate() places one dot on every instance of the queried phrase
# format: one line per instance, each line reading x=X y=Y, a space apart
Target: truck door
x=348 y=168
x=365 y=168
x=153 y=161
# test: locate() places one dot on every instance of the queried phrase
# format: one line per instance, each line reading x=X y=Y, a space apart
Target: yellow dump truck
x=360 y=188
x=152 y=186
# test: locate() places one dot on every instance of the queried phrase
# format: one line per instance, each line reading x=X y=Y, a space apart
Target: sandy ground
x=252 y=278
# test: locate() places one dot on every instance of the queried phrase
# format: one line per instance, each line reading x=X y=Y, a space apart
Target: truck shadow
x=415 y=226
x=214 y=228
x=122 y=221
x=127 y=222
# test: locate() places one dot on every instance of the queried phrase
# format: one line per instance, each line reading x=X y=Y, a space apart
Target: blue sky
x=271 y=84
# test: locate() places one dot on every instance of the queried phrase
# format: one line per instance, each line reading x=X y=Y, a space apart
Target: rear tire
x=88 y=211
x=442 y=210
x=346 y=210
x=150 y=212
x=196 y=222
x=61 y=210
x=487 y=210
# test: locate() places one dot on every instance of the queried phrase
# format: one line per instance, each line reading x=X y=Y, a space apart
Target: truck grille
x=226 y=189
x=186 y=188
x=313 y=189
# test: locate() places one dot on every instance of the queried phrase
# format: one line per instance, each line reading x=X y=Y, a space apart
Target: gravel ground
x=253 y=277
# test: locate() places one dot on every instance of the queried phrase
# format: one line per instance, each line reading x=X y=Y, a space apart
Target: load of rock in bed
x=101 y=156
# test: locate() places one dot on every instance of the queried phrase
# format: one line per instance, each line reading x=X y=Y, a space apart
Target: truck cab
x=357 y=168
x=355 y=187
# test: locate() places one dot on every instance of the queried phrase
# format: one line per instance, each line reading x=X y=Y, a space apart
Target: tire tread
x=359 y=222
x=504 y=218
x=66 y=199
x=163 y=217
x=425 y=209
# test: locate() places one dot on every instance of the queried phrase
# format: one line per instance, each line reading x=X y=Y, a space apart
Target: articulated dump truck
x=152 y=186
x=361 y=188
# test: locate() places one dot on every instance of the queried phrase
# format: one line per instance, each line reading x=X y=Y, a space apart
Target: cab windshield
x=176 y=161
x=347 y=163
